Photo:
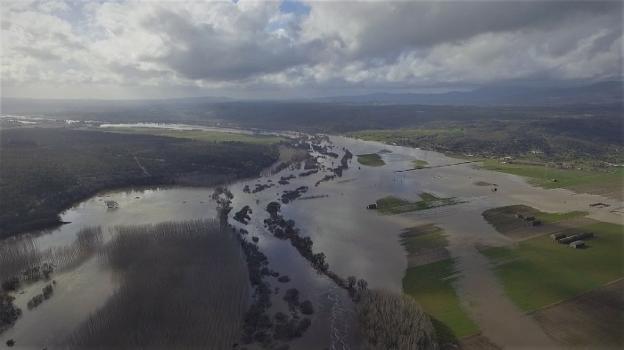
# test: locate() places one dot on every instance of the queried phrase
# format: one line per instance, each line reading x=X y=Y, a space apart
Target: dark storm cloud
x=201 y=51
x=390 y=27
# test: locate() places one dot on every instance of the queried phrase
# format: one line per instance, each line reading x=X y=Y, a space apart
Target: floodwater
x=356 y=241
x=189 y=127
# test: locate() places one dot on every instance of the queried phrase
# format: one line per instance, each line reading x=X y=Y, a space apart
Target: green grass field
x=419 y=164
x=431 y=286
x=391 y=205
x=202 y=135
x=565 y=178
x=539 y=272
x=397 y=135
x=505 y=218
x=371 y=159
x=550 y=218
x=421 y=238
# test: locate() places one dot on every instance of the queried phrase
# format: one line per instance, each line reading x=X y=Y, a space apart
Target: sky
x=287 y=49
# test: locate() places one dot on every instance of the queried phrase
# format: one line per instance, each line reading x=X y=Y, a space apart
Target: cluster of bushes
x=287 y=328
x=257 y=323
x=285 y=180
x=323 y=149
x=295 y=305
x=289 y=196
x=45 y=294
x=258 y=326
x=258 y=188
x=285 y=229
x=308 y=173
x=37 y=272
x=9 y=313
x=242 y=215
x=324 y=179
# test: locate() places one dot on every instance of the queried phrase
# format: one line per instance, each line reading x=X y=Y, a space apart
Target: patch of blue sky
x=298 y=8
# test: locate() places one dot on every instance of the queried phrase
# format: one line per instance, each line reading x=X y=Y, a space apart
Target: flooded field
x=329 y=207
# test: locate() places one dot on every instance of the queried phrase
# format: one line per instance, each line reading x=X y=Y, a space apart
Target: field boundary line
x=574 y=297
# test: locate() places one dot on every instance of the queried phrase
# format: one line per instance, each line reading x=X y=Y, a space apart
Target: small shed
x=577 y=244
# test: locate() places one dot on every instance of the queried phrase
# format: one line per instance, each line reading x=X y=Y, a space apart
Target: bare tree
x=389 y=321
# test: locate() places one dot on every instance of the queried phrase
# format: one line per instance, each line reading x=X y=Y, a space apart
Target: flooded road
x=356 y=241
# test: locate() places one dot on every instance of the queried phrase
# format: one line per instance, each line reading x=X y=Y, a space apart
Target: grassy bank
x=391 y=205
x=371 y=159
x=539 y=272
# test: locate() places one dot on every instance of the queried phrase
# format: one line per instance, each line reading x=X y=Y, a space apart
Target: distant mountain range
x=599 y=93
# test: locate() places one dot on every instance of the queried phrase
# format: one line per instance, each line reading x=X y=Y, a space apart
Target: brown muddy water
x=356 y=241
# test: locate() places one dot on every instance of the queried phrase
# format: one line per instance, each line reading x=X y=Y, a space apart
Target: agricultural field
x=391 y=205
x=400 y=136
x=431 y=285
x=429 y=277
x=605 y=182
x=371 y=159
x=539 y=271
x=592 y=319
x=202 y=135
x=514 y=221
x=424 y=244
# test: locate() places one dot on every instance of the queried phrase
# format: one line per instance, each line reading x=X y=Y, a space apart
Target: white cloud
x=252 y=44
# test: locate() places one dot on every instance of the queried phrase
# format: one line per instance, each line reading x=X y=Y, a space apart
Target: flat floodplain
x=429 y=280
x=427 y=254
x=539 y=271
x=591 y=319
x=432 y=286
x=521 y=222
x=607 y=183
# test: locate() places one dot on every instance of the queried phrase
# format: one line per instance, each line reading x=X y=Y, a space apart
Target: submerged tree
x=223 y=196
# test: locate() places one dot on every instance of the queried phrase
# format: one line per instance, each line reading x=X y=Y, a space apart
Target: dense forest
x=46 y=170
